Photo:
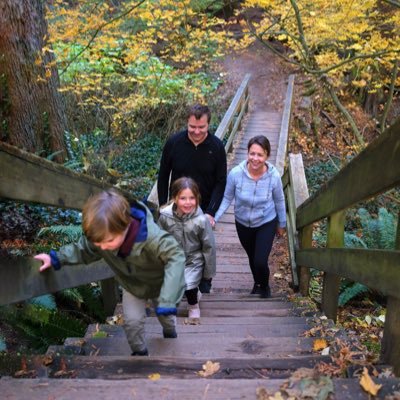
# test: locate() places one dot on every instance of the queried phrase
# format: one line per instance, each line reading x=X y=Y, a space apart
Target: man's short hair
x=198 y=110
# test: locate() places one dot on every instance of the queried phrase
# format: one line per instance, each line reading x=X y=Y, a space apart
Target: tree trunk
x=31 y=108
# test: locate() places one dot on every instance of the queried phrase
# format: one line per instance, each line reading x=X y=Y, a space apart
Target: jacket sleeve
x=218 y=191
x=279 y=200
x=164 y=173
x=172 y=256
x=228 y=197
x=82 y=252
x=208 y=249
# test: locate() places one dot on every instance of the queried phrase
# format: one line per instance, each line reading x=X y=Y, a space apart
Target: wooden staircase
x=255 y=347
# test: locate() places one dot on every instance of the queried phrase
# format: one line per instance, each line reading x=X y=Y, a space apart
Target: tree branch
x=343 y=110
x=390 y=95
x=98 y=31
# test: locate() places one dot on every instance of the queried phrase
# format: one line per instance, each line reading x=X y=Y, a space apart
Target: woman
x=256 y=186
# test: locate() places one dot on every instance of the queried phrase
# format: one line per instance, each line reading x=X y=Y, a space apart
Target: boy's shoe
x=194 y=311
x=170 y=334
x=256 y=289
x=144 y=352
x=265 y=293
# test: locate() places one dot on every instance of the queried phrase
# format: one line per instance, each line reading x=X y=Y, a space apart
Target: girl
x=256 y=186
x=184 y=219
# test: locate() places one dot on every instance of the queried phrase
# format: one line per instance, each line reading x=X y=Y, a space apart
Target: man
x=197 y=154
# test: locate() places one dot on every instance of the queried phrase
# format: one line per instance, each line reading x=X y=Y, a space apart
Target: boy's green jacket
x=154 y=269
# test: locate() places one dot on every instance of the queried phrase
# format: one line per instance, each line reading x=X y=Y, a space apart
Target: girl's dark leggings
x=257 y=243
x=191 y=296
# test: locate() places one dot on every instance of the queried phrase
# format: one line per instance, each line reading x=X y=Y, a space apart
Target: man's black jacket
x=205 y=163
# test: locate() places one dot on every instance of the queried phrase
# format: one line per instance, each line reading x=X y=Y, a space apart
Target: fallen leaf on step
x=262 y=393
x=209 y=368
x=320 y=344
x=368 y=384
x=277 y=275
x=154 y=377
x=191 y=321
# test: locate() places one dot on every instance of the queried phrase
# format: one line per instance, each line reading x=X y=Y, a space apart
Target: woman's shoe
x=256 y=289
x=265 y=292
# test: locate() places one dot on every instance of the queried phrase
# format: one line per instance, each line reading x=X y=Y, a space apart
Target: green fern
x=65 y=233
x=46 y=301
x=71 y=295
x=380 y=232
x=351 y=291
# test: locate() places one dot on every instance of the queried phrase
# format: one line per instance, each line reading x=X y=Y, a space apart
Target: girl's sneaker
x=194 y=311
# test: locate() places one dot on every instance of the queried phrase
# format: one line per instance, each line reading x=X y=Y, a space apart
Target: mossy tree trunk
x=31 y=108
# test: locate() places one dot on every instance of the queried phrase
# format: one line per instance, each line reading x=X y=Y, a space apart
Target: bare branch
x=390 y=95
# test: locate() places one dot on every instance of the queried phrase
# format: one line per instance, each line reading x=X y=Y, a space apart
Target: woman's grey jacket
x=194 y=233
x=256 y=201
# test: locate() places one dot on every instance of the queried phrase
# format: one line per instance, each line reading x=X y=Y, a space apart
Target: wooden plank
x=20 y=278
x=230 y=387
x=305 y=240
x=331 y=281
x=225 y=346
x=233 y=107
x=378 y=269
x=27 y=177
x=360 y=179
x=284 y=131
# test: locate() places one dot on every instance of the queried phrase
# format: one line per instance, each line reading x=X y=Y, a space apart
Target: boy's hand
x=45 y=258
x=165 y=311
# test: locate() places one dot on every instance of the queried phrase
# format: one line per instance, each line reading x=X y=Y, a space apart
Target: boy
x=147 y=261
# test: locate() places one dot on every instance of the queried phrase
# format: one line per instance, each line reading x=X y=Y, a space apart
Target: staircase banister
x=377 y=269
x=375 y=170
x=21 y=280
x=29 y=178
x=233 y=108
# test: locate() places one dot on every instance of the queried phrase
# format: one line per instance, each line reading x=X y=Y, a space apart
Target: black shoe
x=265 y=293
x=170 y=335
x=256 y=289
x=144 y=352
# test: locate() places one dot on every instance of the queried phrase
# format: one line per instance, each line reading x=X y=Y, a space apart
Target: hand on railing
x=45 y=258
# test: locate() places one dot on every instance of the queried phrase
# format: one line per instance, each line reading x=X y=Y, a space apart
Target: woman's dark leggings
x=257 y=243
x=191 y=296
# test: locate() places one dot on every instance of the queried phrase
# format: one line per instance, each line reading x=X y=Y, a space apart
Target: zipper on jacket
x=252 y=204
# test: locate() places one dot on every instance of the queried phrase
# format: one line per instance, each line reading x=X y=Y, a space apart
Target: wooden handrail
x=375 y=170
x=285 y=125
x=30 y=178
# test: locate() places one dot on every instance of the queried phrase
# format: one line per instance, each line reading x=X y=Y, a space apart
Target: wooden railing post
x=331 y=283
x=305 y=239
x=390 y=351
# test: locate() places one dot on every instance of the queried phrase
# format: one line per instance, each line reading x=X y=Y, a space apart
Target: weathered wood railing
x=374 y=171
x=28 y=178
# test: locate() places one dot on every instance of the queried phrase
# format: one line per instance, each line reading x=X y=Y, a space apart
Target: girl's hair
x=105 y=213
x=185 y=183
x=262 y=141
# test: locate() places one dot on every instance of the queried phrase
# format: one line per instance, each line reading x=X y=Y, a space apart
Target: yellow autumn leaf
x=368 y=384
x=320 y=344
x=209 y=368
x=154 y=377
x=114 y=173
